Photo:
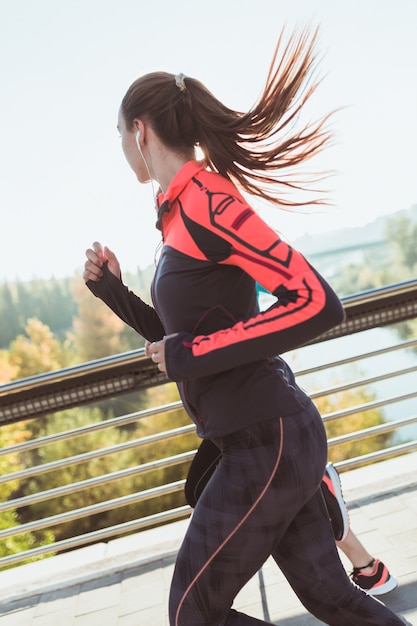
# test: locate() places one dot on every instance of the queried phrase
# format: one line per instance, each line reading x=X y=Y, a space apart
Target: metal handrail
x=97 y=481
x=115 y=422
x=372 y=431
x=93 y=509
x=120 y=374
x=412 y=343
x=99 y=535
x=367 y=406
x=362 y=382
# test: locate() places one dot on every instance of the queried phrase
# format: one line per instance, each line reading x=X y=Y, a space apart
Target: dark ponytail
x=258 y=150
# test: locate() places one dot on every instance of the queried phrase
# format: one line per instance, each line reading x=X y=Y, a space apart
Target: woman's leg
x=246 y=507
x=232 y=531
x=355 y=551
x=308 y=557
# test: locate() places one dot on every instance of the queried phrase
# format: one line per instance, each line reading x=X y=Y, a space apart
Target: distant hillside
x=346 y=239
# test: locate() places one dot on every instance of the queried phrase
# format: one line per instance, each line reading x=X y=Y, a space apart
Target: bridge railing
x=334 y=371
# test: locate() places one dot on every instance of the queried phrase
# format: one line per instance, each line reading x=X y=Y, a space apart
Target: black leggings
x=264 y=499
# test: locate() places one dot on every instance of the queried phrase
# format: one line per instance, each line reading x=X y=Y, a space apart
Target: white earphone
x=137 y=137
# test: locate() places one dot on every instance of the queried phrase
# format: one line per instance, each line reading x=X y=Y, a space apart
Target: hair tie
x=180 y=82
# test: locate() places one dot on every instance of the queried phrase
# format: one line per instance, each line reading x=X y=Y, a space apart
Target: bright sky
x=64 y=67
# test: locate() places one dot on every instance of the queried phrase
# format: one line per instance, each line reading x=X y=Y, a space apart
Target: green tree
x=97 y=331
x=50 y=301
x=105 y=464
x=11 y=435
x=353 y=423
x=9 y=319
x=403 y=231
x=37 y=351
x=7 y=370
x=396 y=260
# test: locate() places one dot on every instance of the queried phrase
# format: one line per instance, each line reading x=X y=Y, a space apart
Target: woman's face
x=130 y=149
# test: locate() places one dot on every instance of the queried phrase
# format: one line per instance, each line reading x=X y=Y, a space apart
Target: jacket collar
x=176 y=186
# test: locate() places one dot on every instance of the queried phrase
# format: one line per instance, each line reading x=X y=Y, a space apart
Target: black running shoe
x=378 y=582
x=336 y=506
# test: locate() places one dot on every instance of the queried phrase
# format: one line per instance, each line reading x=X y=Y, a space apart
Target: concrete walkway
x=126 y=581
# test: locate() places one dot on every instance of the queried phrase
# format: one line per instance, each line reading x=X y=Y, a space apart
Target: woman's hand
x=156 y=351
x=96 y=256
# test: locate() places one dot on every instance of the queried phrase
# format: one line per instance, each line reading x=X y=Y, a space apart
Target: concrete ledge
x=382 y=477
x=89 y=563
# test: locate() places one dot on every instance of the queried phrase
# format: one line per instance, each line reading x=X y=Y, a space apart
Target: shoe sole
x=334 y=477
x=380 y=590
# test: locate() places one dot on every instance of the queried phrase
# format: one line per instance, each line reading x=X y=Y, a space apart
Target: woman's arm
x=102 y=277
x=306 y=305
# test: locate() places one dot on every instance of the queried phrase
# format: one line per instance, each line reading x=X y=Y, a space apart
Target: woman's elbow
x=335 y=311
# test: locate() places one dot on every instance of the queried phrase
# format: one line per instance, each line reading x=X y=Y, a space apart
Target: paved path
x=126 y=582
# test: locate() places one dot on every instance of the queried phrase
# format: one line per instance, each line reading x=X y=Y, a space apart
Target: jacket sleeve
x=127 y=305
x=306 y=305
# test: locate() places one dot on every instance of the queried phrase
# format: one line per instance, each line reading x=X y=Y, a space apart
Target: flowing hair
x=259 y=150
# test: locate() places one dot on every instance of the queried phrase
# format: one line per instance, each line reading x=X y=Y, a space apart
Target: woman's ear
x=139 y=127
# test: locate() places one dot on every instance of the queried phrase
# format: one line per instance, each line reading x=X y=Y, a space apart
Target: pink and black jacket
x=225 y=355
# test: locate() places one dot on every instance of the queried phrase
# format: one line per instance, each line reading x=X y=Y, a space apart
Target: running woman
x=207 y=333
